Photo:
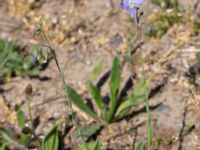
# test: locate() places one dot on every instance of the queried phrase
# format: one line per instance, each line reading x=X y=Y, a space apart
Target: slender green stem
x=64 y=85
x=149 y=124
x=29 y=112
x=28 y=99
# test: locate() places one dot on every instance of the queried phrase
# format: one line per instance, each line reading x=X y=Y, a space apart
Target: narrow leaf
x=20 y=116
x=187 y=129
x=78 y=101
x=141 y=86
x=114 y=84
x=51 y=140
x=97 y=145
x=136 y=98
x=97 y=70
x=89 y=130
x=131 y=101
x=8 y=136
x=94 y=145
x=115 y=78
x=4 y=147
x=139 y=145
x=95 y=95
x=24 y=139
x=198 y=57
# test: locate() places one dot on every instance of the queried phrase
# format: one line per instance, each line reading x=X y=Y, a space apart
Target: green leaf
x=24 y=139
x=78 y=101
x=131 y=101
x=139 y=145
x=198 y=57
x=97 y=70
x=196 y=25
x=51 y=140
x=141 y=86
x=89 y=130
x=136 y=98
x=8 y=136
x=114 y=84
x=95 y=95
x=34 y=33
x=105 y=113
x=38 y=31
x=20 y=116
x=40 y=22
x=94 y=145
x=12 y=63
x=187 y=129
x=115 y=78
x=97 y=145
x=4 y=147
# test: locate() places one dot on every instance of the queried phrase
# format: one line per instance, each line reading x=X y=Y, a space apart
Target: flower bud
x=26 y=130
x=28 y=90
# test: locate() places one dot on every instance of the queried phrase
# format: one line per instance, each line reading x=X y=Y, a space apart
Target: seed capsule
x=28 y=90
x=26 y=130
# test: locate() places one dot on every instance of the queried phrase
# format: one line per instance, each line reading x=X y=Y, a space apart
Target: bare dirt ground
x=86 y=32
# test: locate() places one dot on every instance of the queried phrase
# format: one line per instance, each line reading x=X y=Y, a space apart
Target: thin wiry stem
x=28 y=99
x=30 y=113
x=64 y=85
x=149 y=124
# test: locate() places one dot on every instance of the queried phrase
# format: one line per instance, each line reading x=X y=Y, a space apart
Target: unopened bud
x=28 y=90
x=26 y=130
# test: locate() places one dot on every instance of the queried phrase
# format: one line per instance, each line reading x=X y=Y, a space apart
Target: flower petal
x=132 y=12
x=35 y=57
x=131 y=6
x=138 y=3
x=124 y=5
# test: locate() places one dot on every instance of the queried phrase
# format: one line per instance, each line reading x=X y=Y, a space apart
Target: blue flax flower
x=34 y=57
x=131 y=5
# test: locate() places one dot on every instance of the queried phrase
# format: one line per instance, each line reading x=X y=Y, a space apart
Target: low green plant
x=28 y=138
x=116 y=108
x=166 y=3
x=198 y=57
x=68 y=90
x=11 y=63
x=196 y=25
x=139 y=145
x=157 y=29
x=23 y=139
x=159 y=24
x=51 y=140
x=93 y=145
x=105 y=113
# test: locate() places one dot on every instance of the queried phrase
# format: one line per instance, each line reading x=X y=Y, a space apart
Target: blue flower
x=131 y=5
x=35 y=56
